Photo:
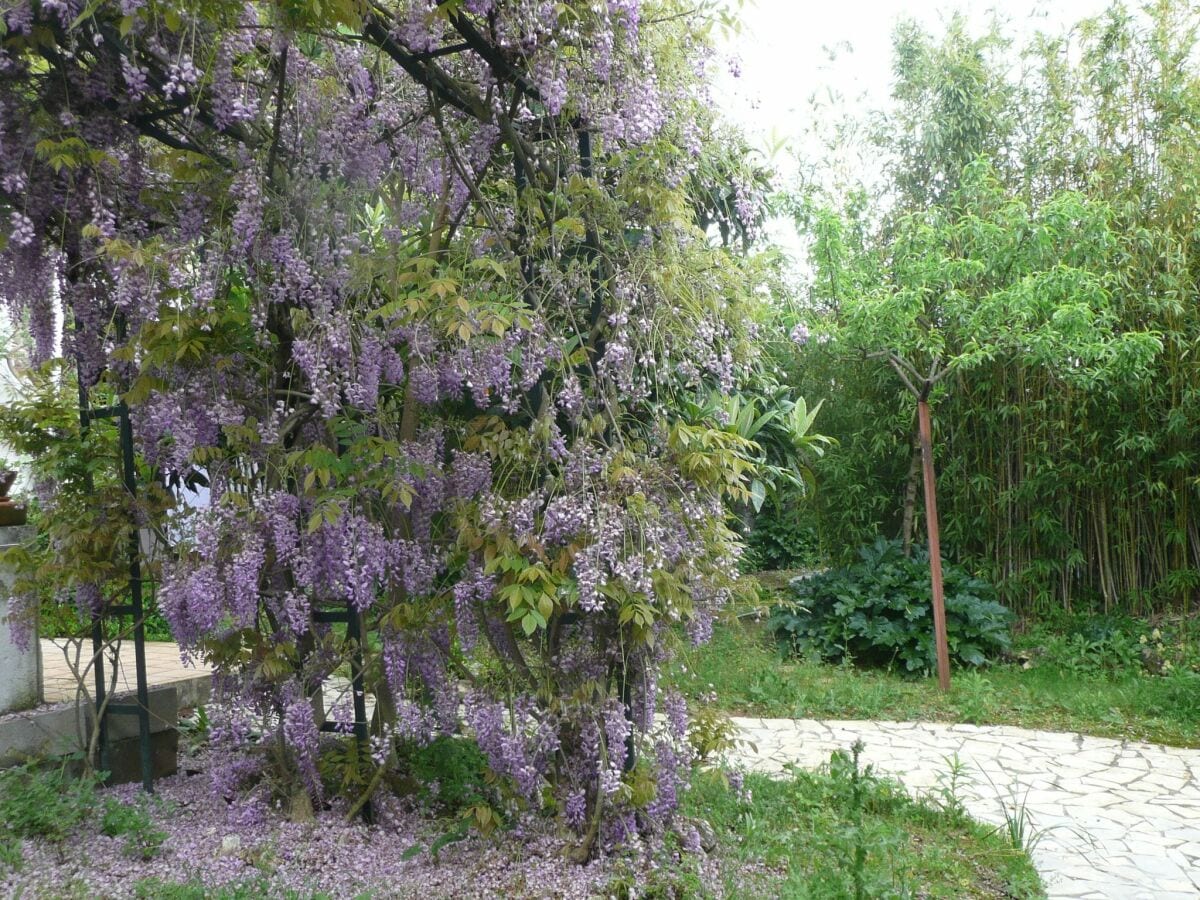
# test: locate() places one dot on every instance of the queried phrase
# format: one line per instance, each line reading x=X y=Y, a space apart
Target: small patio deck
x=163 y=667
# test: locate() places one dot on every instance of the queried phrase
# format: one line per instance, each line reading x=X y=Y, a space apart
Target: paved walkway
x=1119 y=820
x=163 y=666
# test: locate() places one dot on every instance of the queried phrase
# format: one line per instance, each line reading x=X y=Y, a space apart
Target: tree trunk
x=935 y=549
x=910 y=493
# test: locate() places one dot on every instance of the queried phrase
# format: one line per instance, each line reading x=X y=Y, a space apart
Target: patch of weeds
x=948 y=793
x=44 y=801
x=157 y=889
x=142 y=839
x=975 y=697
x=1093 y=645
x=11 y=856
x=844 y=833
x=194 y=730
x=1018 y=830
x=450 y=777
x=674 y=874
x=1176 y=693
x=449 y=774
x=768 y=687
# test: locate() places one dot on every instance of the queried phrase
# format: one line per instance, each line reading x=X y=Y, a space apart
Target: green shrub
x=878 y=612
x=780 y=537
x=1091 y=643
x=63 y=620
x=449 y=774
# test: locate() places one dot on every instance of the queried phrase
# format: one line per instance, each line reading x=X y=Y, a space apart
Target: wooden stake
x=935 y=547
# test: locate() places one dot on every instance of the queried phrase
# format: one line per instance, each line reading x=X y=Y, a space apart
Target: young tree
x=978 y=278
x=1065 y=492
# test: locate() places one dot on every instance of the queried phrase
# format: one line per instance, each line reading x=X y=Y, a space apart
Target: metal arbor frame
x=354 y=631
x=103 y=707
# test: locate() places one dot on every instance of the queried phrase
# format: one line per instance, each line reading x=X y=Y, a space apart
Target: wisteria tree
x=415 y=288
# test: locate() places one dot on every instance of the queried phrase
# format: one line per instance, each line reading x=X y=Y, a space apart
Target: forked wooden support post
x=935 y=547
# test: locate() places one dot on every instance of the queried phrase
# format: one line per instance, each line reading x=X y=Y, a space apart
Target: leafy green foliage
x=781 y=536
x=1095 y=646
x=10 y=853
x=1112 y=645
x=449 y=774
x=44 y=801
x=843 y=832
x=879 y=612
x=49 y=801
x=142 y=839
x=57 y=620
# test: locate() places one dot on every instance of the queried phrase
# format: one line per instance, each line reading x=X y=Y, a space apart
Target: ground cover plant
x=49 y=802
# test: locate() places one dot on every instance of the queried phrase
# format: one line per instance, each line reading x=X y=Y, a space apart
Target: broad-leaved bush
x=878 y=612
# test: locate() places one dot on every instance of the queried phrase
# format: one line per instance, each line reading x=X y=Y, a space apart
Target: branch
x=472 y=182
x=491 y=54
x=936 y=374
x=896 y=364
x=424 y=72
x=277 y=128
x=201 y=110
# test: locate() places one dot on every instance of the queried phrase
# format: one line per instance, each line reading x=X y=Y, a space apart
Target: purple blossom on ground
x=224 y=840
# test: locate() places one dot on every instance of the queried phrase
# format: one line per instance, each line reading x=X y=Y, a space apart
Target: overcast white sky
x=785 y=59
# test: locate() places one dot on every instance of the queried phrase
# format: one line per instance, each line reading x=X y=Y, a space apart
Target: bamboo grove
x=1074 y=486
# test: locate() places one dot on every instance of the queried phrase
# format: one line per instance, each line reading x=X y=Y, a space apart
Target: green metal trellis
x=133 y=609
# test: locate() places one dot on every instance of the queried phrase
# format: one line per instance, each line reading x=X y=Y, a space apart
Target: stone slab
x=65 y=729
x=20 y=668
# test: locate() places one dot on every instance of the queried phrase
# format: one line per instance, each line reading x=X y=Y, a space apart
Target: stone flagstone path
x=1120 y=820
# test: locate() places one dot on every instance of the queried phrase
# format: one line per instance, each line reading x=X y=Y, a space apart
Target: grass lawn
x=840 y=833
x=749 y=676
